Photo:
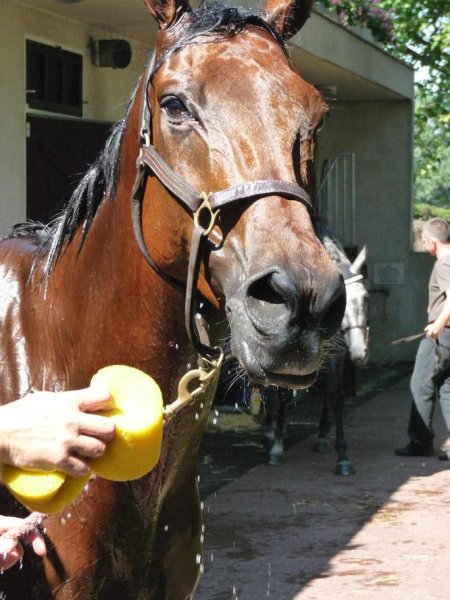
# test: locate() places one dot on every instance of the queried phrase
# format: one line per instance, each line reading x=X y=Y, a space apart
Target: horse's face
x=231 y=111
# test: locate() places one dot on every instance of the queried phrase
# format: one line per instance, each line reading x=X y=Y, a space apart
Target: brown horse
x=219 y=109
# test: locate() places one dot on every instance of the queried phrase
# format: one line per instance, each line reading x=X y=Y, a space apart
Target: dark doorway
x=59 y=151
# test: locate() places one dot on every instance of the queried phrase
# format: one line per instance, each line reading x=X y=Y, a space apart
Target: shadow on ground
x=299 y=532
x=233 y=441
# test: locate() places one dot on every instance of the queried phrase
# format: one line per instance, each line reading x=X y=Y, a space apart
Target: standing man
x=431 y=375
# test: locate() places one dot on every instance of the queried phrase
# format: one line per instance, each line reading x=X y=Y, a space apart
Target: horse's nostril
x=263 y=290
x=269 y=300
x=333 y=313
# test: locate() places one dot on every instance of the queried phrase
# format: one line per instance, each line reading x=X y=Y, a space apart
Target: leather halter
x=205 y=207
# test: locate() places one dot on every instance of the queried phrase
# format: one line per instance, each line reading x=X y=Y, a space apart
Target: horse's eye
x=175 y=110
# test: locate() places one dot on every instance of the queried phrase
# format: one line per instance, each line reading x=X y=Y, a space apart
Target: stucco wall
x=379 y=133
x=106 y=91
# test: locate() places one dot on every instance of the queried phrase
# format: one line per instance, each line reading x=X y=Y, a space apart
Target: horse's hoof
x=322 y=446
x=344 y=467
x=275 y=460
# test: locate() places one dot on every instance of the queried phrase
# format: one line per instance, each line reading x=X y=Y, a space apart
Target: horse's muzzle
x=276 y=305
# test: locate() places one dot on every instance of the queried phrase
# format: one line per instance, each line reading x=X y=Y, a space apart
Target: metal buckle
x=205 y=206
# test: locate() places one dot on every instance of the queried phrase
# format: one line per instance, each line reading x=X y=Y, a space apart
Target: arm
x=433 y=330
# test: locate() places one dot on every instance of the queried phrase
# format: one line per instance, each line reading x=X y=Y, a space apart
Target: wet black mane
x=207 y=23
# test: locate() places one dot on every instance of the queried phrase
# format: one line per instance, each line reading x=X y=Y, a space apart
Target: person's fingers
x=74 y=466
x=97 y=426
x=88 y=447
x=9 y=558
x=93 y=399
x=7 y=545
x=36 y=539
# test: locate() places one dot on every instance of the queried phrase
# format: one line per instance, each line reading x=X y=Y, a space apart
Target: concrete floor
x=299 y=532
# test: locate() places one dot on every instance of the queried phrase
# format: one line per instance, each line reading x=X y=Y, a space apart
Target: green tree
x=421 y=37
x=419 y=34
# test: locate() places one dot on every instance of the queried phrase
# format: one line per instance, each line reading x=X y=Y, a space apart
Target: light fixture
x=110 y=53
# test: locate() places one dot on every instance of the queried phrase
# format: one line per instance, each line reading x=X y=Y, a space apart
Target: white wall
x=106 y=91
x=380 y=135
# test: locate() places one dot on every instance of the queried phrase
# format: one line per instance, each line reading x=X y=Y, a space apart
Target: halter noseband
x=205 y=207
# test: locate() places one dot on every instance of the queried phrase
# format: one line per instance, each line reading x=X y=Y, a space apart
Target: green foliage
x=425 y=211
x=364 y=13
x=419 y=34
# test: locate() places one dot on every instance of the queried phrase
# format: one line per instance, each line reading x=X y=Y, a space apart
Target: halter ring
x=212 y=214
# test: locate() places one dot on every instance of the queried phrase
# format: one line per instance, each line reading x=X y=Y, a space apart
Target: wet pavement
x=299 y=532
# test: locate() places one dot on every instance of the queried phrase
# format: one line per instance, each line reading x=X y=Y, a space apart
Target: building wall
x=106 y=91
x=380 y=135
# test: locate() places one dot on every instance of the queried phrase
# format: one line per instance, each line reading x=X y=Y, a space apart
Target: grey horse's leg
x=337 y=401
x=275 y=402
x=322 y=444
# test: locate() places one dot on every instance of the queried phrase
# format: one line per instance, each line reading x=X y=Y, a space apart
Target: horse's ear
x=167 y=12
x=357 y=264
x=287 y=16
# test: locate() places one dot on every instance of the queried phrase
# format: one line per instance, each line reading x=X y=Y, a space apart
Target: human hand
x=11 y=550
x=433 y=330
x=55 y=431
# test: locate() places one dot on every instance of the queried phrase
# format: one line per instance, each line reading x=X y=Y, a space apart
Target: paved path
x=299 y=532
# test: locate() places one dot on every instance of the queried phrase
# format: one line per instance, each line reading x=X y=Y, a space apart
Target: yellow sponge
x=133 y=451
x=138 y=417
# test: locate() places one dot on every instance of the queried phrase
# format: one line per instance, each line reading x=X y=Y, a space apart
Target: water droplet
x=196 y=416
x=216 y=412
x=202 y=568
x=21 y=564
x=69 y=515
x=2 y=570
x=202 y=505
x=63 y=521
x=214 y=421
x=212 y=557
x=86 y=487
x=201 y=404
x=166 y=528
x=201 y=305
x=177 y=346
x=198 y=559
x=198 y=478
x=202 y=538
x=189 y=366
x=203 y=529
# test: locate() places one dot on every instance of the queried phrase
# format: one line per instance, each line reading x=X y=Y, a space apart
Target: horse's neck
x=101 y=305
x=127 y=313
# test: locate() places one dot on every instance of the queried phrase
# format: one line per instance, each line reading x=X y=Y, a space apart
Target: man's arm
x=433 y=330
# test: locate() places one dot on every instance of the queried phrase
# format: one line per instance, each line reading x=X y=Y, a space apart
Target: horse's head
x=356 y=318
x=226 y=109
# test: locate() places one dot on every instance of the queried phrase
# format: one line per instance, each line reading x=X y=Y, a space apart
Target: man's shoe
x=443 y=455
x=412 y=449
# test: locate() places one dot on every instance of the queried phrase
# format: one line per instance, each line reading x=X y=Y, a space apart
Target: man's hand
x=11 y=550
x=55 y=431
x=433 y=330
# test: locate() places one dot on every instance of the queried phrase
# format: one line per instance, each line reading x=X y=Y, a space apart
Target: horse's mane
x=204 y=24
